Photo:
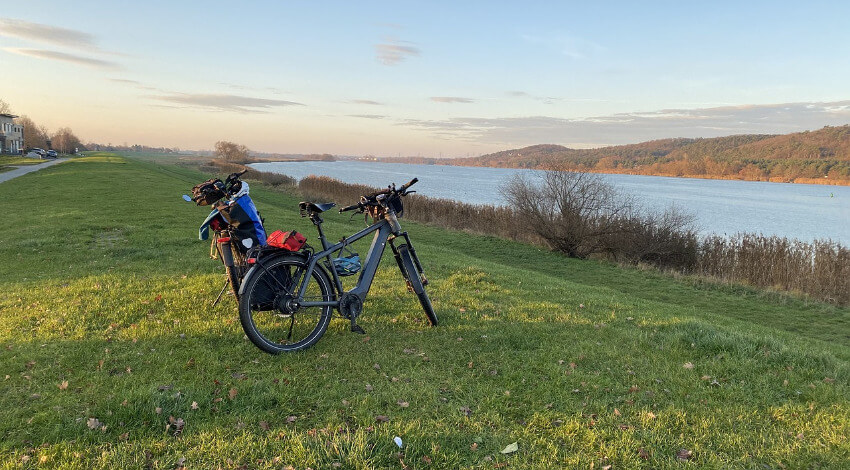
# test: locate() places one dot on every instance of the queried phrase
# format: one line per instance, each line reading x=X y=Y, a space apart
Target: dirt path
x=22 y=170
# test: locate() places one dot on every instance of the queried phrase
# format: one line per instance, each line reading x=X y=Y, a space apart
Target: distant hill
x=821 y=156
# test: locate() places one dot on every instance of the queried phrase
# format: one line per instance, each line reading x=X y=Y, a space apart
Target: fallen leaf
x=195 y=405
x=181 y=462
x=369 y=387
x=642 y=453
x=828 y=380
x=158 y=298
x=93 y=423
x=382 y=418
x=684 y=455
x=426 y=459
x=474 y=446
x=688 y=365
x=124 y=436
x=63 y=385
x=232 y=393
x=376 y=366
x=264 y=425
x=403 y=404
x=616 y=412
x=465 y=410
x=650 y=415
x=291 y=419
x=158 y=410
x=511 y=448
x=461 y=310
x=239 y=376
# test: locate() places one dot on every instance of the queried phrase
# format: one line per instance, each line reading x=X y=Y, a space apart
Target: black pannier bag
x=208 y=192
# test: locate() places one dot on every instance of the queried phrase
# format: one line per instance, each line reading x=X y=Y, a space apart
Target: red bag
x=292 y=241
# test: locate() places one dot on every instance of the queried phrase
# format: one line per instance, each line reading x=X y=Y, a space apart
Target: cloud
x=369 y=102
x=124 y=80
x=635 y=127
x=368 y=116
x=63 y=57
x=241 y=104
x=46 y=33
x=452 y=99
x=393 y=51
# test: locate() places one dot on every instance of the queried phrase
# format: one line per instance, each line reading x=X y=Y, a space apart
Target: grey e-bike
x=286 y=300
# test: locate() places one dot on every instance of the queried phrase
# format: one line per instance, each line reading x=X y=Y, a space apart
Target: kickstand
x=355 y=328
x=226 y=282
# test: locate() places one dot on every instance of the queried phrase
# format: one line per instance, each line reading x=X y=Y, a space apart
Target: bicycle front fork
x=413 y=255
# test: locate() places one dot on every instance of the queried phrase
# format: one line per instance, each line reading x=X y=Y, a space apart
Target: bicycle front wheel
x=269 y=313
x=411 y=274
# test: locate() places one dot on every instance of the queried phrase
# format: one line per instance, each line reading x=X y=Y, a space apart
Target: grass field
x=111 y=357
x=10 y=162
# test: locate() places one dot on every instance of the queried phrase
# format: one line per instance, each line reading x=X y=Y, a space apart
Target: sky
x=433 y=79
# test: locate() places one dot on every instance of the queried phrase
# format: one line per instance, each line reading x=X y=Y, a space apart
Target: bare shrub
x=579 y=214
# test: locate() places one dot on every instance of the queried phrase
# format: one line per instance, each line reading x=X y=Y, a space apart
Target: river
x=802 y=211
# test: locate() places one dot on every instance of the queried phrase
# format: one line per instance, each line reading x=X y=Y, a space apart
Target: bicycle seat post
x=317 y=221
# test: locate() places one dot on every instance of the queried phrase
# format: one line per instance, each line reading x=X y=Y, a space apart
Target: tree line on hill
x=821 y=156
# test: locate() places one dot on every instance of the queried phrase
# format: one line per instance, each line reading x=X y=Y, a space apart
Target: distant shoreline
x=818 y=181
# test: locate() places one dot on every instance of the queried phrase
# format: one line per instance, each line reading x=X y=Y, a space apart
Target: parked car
x=52 y=154
x=36 y=153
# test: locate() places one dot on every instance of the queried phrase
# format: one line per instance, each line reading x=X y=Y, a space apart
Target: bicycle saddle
x=316 y=208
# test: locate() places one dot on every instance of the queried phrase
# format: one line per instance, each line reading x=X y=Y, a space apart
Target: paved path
x=22 y=170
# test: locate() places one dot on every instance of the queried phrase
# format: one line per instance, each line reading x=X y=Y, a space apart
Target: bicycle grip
x=409 y=184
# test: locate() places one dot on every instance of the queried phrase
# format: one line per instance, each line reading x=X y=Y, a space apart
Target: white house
x=11 y=135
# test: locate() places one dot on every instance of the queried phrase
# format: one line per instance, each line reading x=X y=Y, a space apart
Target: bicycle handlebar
x=350 y=208
x=372 y=198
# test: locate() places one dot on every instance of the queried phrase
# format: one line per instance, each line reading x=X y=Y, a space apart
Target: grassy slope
x=10 y=162
x=103 y=315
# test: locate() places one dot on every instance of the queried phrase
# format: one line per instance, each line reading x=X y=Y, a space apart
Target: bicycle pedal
x=357 y=329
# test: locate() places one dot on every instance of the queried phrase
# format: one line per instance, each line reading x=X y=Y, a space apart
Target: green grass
x=9 y=162
x=105 y=323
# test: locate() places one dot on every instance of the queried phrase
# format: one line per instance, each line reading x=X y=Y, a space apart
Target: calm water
x=800 y=211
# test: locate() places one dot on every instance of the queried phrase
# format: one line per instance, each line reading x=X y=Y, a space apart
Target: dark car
x=52 y=154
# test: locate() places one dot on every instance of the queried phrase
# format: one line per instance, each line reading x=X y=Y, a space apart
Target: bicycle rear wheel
x=267 y=309
x=412 y=275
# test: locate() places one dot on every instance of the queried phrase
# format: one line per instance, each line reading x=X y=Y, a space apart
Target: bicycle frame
x=383 y=234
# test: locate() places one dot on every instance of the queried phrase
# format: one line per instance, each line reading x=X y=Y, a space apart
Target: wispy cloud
x=231 y=103
x=452 y=99
x=368 y=116
x=635 y=127
x=134 y=83
x=53 y=35
x=63 y=57
x=46 y=34
x=368 y=102
x=393 y=51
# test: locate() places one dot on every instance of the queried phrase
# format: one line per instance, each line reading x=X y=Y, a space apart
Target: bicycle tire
x=411 y=274
x=262 y=312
